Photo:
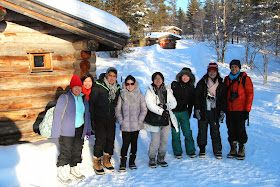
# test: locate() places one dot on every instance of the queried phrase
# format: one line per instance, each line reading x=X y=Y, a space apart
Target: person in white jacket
x=160 y=100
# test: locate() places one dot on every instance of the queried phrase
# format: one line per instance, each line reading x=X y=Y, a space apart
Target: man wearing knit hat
x=240 y=94
x=103 y=100
x=71 y=123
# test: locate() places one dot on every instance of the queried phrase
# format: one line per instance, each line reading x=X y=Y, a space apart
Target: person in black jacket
x=183 y=91
x=103 y=100
x=210 y=107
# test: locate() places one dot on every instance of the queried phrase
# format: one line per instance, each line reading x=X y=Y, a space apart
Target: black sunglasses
x=127 y=84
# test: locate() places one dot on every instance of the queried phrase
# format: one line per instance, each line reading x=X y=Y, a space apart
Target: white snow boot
x=76 y=173
x=63 y=174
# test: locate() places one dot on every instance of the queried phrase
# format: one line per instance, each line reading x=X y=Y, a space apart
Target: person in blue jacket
x=71 y=123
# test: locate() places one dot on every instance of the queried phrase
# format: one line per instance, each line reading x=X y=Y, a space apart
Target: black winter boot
x=123 y=164
x=132 y=158
x=202 y=152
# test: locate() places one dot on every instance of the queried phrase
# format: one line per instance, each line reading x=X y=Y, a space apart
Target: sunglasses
x=127 y=84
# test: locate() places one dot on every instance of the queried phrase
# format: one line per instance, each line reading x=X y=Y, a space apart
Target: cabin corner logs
x=25 y=96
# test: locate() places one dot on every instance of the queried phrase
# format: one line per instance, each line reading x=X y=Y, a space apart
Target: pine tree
x=193 y=10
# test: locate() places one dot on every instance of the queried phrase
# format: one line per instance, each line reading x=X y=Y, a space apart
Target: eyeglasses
x=127 y=84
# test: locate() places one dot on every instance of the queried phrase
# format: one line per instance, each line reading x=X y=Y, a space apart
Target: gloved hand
x=197 y=114
x=88 y=135
x=222 y=116
x=164 y=114
x=246 y=115
x=164 y=107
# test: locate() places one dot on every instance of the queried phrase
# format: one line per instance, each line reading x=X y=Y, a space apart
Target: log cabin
x=41 y=47
x=172 y=29
x=165 y=39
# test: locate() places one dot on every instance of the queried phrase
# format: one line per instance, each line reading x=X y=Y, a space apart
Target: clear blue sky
x=184 y=4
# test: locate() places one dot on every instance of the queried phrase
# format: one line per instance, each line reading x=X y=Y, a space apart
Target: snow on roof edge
x=161 y=34
x=87 y=13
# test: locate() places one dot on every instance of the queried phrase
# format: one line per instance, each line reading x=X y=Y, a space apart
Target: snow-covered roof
x=162 y=34
x=87 y=13
x=166 y=28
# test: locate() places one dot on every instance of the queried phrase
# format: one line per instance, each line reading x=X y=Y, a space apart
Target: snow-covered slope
x=34 y=164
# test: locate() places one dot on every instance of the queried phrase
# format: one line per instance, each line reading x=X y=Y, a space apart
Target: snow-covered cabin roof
x=76 y=17
x=162 y=34
x=166 y=28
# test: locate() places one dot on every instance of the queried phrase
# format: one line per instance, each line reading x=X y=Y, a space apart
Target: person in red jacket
x=240 y=94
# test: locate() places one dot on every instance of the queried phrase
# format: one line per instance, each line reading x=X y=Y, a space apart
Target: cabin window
x=40 y=62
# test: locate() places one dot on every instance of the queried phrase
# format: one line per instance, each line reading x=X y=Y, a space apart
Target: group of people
x=94 y=108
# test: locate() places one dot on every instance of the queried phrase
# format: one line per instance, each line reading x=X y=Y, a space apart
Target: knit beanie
x=75 y=81
x=157 y=73
x=235 y=62
x=111 y=69
x=212 y=66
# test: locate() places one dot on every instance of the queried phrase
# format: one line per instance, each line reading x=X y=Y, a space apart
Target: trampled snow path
x=34 y=164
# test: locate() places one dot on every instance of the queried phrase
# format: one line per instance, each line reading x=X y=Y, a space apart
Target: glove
x=246 y=115
x=197 y=114
x=165 y=114
x=88 y=135
x=222 y=116
x=164 y=107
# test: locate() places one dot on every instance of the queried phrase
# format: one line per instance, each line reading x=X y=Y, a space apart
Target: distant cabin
x=172 y=29
x=41 y=47
x=165 y=39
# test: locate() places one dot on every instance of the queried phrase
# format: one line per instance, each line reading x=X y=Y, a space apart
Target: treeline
x=255 y=22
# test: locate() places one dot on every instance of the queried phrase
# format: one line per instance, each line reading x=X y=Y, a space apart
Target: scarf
x=86 y=92
x=112 y=89
x=160 y=92
x=231 y=76
x=211 y=88
x=130 y=98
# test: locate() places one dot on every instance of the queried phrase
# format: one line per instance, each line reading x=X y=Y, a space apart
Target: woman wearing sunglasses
x=130 y=112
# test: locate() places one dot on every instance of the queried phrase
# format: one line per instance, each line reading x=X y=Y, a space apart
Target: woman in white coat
x=160 y=100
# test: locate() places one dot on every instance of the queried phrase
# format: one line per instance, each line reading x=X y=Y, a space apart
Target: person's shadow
x=9 y=135
x=50 y=104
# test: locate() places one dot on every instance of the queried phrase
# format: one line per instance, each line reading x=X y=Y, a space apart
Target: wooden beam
x=65 y=22
x=3 y=13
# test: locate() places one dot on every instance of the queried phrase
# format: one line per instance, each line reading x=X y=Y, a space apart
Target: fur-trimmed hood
x=185 y=72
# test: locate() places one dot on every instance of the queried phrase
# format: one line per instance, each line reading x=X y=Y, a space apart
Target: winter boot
x=232 y=152
x=97 y=166
x=123 y=164
x=63 y=174
x=179 y=156
x=75 y=172
x=218 y=155
x=132 y=158
x=152 y=163
x=202 y=152
x=192 y=155
x=161 y=162
x=107 y=162
x=241 y=152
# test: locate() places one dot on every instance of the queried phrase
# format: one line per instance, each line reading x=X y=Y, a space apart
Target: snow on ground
x=34 y=164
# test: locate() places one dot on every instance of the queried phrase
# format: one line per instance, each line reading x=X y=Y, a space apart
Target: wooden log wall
x=24 y=96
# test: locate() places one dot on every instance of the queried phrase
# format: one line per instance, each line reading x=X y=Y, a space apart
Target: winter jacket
x=245 y=97
x=183 y=92
x=201 y=94
x=153 y=101
x=131 y=109
x=99 y=100
x=66 y=126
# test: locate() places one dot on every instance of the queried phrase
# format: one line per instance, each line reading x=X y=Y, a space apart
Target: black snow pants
x=214 y=132
x=129 y=138
x=236 y=127
x=104 y=136
x=71 y=149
